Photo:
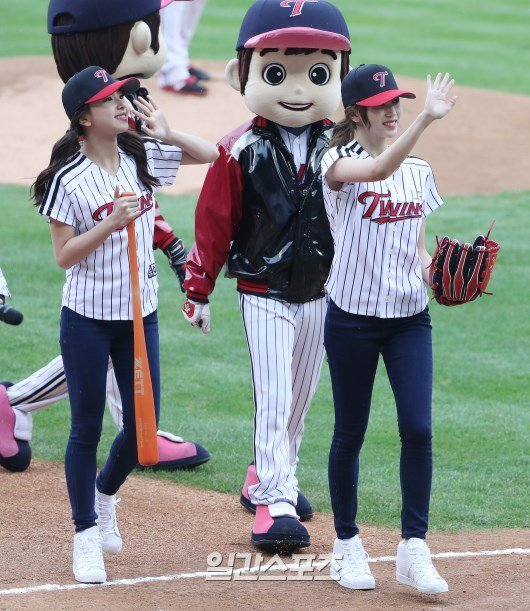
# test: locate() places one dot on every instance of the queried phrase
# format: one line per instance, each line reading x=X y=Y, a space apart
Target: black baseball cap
x=314 y=24
x=86 y=15
x=93 y=84
x=371 y=85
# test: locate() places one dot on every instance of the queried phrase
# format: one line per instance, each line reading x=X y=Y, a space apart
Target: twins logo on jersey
x=388 y=211
x=298 y=5
x=146 y=203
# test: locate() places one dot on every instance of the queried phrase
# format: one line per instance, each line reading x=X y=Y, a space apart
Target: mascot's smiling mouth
x=296 y=107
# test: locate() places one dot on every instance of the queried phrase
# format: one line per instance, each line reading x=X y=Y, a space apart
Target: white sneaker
x=88 y=557
x=111 y=541
x=350 y=565
x=414 y=567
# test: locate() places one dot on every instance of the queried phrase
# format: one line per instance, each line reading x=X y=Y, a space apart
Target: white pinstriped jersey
x=376 y=269
x=3 y=285
x=81 y=194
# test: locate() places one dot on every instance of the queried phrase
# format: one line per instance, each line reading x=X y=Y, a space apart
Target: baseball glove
x=460 y=273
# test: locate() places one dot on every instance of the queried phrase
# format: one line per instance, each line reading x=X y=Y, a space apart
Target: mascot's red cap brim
x=309 y=38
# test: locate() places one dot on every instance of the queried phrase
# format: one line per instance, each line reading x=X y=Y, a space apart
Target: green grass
x=483 y=43
x=480 y=395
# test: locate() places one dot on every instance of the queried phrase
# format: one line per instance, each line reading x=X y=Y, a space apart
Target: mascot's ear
x=232 y=74
x=140 y=37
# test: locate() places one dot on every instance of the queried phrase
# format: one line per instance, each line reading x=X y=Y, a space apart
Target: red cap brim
x=309 y=38
x=386 y=96
x=128 y=85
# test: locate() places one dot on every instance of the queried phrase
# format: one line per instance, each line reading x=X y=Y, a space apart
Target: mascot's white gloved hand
x=197 y=314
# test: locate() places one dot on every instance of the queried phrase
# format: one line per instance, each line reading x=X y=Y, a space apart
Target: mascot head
x=291 y=58
x=122 y=36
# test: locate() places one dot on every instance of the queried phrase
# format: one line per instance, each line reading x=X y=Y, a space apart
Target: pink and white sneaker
x=277 y=529
x=175 y=453
x=303 y=506
x=8 y=444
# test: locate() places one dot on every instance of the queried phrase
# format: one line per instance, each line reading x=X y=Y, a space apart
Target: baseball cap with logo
x=371 y=85
x=93 y=84
x=87 y=15
x=314 y=24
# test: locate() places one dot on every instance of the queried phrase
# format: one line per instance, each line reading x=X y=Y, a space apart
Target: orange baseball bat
x=144 y=404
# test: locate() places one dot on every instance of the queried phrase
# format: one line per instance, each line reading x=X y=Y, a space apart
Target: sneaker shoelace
x=107 y=520
x=421 y=559
x=356 y=556
x=90 y=551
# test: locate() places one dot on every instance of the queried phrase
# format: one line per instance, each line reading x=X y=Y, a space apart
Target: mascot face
x=288 y=74
x=293 y=88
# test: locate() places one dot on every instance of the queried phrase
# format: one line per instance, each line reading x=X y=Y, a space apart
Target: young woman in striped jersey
x=377 y=199
x=80 y=192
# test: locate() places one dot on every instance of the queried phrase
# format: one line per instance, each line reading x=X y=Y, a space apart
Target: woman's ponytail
x=344 y=131
x=63 y=150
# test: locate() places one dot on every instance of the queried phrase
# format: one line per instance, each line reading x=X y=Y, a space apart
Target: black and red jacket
x=255 y=214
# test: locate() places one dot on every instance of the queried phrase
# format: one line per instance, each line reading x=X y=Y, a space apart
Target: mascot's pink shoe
x=21 y=458
x=276 y=529
x=8 y=444
x=175 y=453
x=303 y=506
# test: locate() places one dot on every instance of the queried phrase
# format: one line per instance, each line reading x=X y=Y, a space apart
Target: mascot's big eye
x=274 y=74
x=319 y=74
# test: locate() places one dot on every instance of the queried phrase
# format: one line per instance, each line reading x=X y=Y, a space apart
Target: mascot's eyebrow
x=296 y=51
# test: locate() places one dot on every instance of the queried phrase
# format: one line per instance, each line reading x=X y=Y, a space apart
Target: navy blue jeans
x=353 y=345
x=86 y=345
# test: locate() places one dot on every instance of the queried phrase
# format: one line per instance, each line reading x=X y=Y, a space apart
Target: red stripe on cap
x=130 y=84
x=385 y=96
x=310 y=38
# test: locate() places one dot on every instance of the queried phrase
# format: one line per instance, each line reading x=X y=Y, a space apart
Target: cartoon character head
x=292 y=56
x=123 y=36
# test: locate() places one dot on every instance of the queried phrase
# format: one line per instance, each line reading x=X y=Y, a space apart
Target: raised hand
x=155 y=122
x=437 y=102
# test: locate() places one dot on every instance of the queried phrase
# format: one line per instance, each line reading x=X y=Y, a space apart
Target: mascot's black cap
x=88 y=15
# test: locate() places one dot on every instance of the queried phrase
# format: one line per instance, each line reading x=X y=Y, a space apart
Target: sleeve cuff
x=197 y=297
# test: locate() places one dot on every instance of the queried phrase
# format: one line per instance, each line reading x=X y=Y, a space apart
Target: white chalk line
x=54 y=587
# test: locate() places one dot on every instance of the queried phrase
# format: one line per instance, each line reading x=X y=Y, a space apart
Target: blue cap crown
x=87 y=15
x=294 y=23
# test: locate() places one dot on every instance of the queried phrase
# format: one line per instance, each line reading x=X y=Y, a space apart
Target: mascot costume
x=261 y=212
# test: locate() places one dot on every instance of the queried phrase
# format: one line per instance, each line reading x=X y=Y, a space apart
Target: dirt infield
x=170 y=529
x=479 y=148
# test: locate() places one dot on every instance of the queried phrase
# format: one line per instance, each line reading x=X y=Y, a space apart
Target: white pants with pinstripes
x=47 y=386
x=285 y=342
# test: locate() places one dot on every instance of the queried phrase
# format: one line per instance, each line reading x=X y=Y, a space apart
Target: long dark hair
x=67 y=146
x=344 y=130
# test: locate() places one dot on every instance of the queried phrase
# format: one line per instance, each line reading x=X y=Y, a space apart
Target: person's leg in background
x=174 y=74
x=192 y=14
